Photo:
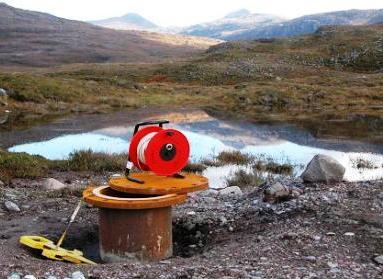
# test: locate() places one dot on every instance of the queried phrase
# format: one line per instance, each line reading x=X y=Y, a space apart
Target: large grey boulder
x=323 y=168
x=52 y=184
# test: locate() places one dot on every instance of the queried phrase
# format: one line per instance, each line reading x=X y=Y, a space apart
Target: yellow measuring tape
x=54 y=251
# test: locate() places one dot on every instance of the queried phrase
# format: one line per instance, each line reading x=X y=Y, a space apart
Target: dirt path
x=330 y=231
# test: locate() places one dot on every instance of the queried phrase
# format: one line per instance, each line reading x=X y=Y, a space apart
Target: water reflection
x=283 y=143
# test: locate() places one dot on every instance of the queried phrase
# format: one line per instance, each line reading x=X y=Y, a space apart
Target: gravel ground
x=329 y=231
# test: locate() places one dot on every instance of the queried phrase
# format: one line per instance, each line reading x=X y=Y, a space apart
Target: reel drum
x=162 y=151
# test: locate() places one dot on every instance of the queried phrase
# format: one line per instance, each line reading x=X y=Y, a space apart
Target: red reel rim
x=152 y=153
x=134 y=144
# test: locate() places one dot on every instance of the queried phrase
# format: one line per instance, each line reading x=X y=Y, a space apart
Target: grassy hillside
x=330 y=82
x=30 y=38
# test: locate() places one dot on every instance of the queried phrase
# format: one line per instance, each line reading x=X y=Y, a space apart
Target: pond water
x=208 y=136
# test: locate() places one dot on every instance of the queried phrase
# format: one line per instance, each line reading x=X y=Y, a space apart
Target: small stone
x=2 y=184
x=51 y=277
x=223 y=220
x=191 y=213
x=14 y=275
x=52 y=184
x=332 y=265
x=234 y=191
x=349 y=234
x=316 y=238
x=330 y=234
x=311 y=259
x=29 y=277
x=379 y=259
x=11 y=206
x=78 y=275
x=277 y=191
x=334 y=270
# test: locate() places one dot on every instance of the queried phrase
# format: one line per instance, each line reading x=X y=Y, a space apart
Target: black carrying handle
x=147 y=123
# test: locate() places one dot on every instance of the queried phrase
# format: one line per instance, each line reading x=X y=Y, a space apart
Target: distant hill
x=130 y=21
x=349 y=48
x=232 y=24
x=309 y=24
x=30 y=38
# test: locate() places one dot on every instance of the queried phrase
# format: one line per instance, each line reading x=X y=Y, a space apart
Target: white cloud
x=181 y=12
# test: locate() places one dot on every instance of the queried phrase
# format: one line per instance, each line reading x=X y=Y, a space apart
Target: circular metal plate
x=159 y=185
x=106 y=197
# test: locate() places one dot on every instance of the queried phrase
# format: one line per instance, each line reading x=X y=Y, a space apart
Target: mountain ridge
x=310 y=23
x=242 y=24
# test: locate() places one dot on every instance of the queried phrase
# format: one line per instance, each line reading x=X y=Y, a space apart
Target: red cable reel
x=163 y=151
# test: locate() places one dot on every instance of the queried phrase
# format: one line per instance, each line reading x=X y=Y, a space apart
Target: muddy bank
x=327 y=231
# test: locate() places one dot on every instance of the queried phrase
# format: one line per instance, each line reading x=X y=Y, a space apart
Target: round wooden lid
x=159 y=185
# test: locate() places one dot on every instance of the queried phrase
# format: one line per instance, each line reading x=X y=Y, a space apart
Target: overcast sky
x=186 y=12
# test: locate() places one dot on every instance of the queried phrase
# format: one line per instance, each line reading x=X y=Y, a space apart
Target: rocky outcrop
x=323 y=168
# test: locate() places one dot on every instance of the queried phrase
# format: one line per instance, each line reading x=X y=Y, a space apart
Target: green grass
x=233 y=157
x=94 y=162
x=21 y=165
x=272 y=167
x=243 y=179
